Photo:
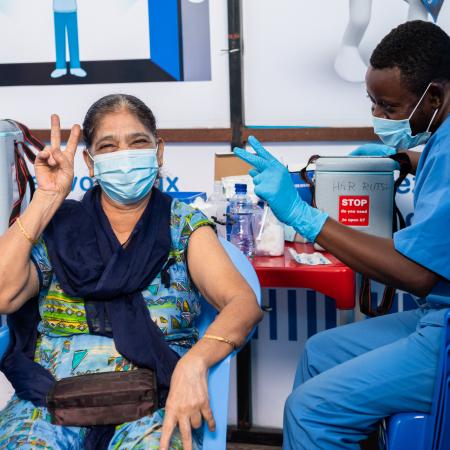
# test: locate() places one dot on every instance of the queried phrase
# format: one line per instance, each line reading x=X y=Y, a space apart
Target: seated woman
x=127 y=261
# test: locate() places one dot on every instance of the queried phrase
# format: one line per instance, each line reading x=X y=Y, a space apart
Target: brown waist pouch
x=110 y=398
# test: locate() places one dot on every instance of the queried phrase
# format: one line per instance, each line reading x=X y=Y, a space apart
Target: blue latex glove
x=273 y=184
x=373 y=150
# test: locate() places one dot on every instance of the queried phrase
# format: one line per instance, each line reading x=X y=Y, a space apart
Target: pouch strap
x=165 y=275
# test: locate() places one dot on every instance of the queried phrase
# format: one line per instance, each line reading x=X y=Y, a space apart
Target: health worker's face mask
x=398 y=133
x=126 y=176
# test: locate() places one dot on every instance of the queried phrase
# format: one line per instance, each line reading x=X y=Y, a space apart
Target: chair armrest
x=218 y=387
x=219 y=375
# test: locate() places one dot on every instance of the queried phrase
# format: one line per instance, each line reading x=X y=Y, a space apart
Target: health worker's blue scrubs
x=350 y=377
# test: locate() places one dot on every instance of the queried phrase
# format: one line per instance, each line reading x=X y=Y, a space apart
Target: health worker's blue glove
x=373 y=150
x=273 y=184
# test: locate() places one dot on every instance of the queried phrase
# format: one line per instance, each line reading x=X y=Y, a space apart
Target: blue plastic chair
x=186 y=196
x=219 y=375
x=418 y=431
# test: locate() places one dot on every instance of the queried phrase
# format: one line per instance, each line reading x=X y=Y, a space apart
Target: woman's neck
x=123 y=218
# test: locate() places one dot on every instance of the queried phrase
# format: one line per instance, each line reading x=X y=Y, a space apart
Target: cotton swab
x=263 y=222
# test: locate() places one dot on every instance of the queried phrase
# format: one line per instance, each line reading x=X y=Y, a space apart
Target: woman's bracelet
x=220 y=339
x=25 y=233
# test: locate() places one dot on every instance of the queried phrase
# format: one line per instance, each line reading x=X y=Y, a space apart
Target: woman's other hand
x=188 y=402
x=53 y=167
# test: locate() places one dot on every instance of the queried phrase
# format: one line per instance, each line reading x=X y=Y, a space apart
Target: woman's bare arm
x=18 y=276
x=221 y=284
x=54 y=175
x=223 y=287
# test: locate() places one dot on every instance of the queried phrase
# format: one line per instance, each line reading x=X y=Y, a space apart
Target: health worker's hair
x=113 y=103
x=421 y=50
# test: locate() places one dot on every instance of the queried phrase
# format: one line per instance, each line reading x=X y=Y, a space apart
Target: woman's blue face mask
x=398 y=133
x=126 y=176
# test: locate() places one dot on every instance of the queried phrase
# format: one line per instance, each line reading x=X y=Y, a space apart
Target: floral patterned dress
x=66 y=348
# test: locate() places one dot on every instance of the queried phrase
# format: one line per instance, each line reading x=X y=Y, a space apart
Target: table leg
x=345 y=316
x=244 y=387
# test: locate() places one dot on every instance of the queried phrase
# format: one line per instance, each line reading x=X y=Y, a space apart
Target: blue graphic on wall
x=180 y=38
x=176 y=34
x=433 y=7
x=66 y=22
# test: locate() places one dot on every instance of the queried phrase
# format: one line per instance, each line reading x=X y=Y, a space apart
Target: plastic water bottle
x=240 y=211
x=219 y=204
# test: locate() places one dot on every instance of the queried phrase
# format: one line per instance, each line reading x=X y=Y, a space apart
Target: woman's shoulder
x=185 y=220
x=185 y=215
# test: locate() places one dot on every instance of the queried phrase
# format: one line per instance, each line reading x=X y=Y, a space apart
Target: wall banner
x=126 y=41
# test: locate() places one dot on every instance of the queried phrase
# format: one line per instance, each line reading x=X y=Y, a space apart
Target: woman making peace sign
x=112 y=284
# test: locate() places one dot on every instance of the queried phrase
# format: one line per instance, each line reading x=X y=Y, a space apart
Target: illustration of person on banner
x=349 y=64
x=66 y=22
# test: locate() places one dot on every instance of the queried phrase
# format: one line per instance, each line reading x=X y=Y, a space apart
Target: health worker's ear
x=160 y=152
x=436 y=95
x=89 y=162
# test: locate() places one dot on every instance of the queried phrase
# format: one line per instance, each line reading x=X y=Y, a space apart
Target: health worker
x=350 y=377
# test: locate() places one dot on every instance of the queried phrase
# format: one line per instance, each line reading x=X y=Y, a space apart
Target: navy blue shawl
x=89 y=262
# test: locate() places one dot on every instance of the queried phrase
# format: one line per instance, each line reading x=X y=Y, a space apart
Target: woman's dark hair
x=421 y=50
x=112 y=103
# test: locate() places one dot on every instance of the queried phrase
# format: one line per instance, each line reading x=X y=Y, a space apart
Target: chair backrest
x=438 y=426
x=219 y=375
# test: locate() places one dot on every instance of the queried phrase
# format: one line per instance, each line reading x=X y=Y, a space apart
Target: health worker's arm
x=414 y=158
x=221 y=284
x=375 y=257
x=54 y=174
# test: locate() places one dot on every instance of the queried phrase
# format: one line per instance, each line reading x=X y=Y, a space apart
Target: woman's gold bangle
x=24 y=232
x=220 y=339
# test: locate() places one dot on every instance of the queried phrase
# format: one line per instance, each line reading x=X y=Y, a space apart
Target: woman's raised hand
x=53 y=167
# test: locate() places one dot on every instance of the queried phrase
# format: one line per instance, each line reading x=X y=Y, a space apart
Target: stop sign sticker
x=354 y=210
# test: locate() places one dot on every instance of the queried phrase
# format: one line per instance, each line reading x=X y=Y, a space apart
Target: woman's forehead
x=120 y=124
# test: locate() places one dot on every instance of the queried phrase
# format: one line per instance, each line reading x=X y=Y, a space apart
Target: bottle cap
x=240 y=188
